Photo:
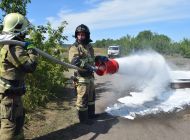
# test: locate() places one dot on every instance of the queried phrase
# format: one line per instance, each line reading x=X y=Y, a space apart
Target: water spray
x=153 y=87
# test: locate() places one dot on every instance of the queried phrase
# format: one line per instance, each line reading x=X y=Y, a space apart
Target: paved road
x=163 y=127
x=174 y=126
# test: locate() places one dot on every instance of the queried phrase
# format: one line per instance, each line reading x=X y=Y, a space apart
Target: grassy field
x=100 y=51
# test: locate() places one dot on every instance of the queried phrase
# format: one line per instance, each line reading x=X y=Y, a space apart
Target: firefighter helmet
x=85 y=29
x=15 y=23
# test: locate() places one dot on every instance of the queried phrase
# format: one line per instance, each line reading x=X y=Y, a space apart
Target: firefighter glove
x=100 y=58
x=76 y=61
x=29 y=45
x=89 y=68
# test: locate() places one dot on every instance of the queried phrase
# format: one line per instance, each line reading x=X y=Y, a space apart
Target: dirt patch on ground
x=58 y=114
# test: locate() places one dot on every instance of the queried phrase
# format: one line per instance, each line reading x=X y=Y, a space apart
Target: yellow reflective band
x=91 y=103
x=82 y=108
x=83 y=80
x=4 y=85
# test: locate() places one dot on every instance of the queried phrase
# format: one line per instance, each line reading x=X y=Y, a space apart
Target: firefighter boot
x=83 y=117
x=91 y=112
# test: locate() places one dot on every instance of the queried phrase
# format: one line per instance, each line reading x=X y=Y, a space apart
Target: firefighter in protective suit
x=15 y=62
x=81 y=54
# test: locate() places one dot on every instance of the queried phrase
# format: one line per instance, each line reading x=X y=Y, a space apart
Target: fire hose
x=101 y=68
x=42 y=53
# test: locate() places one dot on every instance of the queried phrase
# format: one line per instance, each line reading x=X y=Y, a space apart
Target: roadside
x=58 y=114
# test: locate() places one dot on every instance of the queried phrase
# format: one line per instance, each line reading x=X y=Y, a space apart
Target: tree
x=161 y=43
x=55 y=36
x=148 y=40
x=185 y=47
x=13 y=6
x=145 y=35
x=48 y=76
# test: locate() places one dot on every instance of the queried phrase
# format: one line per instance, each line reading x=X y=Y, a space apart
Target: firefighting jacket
x=86 y=55
x=15 y=62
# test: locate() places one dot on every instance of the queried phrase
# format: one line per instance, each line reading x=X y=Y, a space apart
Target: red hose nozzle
x=109 y=67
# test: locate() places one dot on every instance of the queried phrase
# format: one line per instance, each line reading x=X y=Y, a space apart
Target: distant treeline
x=147 y=40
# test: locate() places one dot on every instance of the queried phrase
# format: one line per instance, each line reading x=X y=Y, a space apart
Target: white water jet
x=149 y=76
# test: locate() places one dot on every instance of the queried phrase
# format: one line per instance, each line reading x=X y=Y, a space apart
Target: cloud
x=122 y=13
x=91 y=1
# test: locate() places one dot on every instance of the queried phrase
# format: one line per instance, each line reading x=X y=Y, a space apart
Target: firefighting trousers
x=85 y=94
x=12 y=118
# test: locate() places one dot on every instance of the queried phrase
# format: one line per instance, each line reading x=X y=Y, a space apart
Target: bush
x=48 y=76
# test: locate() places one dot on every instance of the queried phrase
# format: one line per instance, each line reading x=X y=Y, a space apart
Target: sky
x=115 y=18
